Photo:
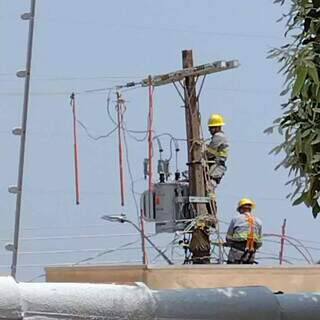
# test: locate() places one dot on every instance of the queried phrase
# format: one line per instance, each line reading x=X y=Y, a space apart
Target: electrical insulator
x=161 y=170
x=166 y=168
x=145 y=168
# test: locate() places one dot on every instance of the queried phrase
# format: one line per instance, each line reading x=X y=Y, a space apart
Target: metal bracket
x=199 y=199
x=17 y=131
x=13 y=189
x=22 y=74
x=26 y=16
x=182 y=199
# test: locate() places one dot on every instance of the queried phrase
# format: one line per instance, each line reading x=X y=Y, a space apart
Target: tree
x=300 y=121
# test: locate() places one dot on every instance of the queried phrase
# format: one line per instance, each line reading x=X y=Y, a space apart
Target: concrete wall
x=287 y=279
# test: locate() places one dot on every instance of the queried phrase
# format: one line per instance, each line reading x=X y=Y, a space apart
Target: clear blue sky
x=102 y=43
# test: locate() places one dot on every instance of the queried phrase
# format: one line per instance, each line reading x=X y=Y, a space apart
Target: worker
x=216 y=153
x=244 y=234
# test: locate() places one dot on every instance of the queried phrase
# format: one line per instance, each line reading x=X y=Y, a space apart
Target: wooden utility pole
x=200 y=243
x=196 y=178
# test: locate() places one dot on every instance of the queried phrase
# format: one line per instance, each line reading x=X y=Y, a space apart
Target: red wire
x=75 y=144
x=120 y=127
x=150 y=129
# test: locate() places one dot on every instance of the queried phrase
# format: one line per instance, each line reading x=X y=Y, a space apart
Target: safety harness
x=250 y=249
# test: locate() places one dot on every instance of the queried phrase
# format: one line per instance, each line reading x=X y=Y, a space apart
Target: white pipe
x=137 y=302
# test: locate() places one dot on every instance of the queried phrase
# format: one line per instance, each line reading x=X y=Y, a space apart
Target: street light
x=123 y=219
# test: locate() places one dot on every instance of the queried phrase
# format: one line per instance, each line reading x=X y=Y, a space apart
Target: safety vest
x=246 y=230
x=218 y=153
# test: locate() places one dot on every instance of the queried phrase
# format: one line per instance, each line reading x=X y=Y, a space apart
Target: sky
x=82 y=45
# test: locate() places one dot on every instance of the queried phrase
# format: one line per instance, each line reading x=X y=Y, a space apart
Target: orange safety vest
x=250 y=239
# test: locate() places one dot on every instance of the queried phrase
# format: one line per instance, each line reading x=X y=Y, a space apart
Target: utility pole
x=200 y=242
x=22 y=132
x=192 y=114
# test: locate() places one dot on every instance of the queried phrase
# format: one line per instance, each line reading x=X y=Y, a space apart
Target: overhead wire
x=73 y=237
x=105 y=89
x=96 y=138
x=74 y=78
x=111 y=262
x=68 y=251
x=131 y=176
x=154 y=28
x=101 y=254
x=40 y=276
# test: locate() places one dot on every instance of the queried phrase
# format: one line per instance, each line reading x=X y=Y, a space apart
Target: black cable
x=131 y=176
x=108 y=134
x=106 y=252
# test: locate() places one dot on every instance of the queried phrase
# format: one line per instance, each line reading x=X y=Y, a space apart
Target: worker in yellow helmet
x=216 y=152
x=244 y=234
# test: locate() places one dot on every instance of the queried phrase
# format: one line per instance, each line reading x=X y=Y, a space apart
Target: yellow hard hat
x=216 y=120
x=246 y=202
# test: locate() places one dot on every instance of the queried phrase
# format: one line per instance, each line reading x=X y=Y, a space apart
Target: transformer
x=167 y=206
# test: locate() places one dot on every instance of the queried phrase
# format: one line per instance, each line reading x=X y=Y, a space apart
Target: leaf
x=269 y=130
x=315 y=210
x=299 y=200
x=305 y=133
x=284 y=92
x=276 y=150
x=313 y=73
x=301 y=74
x=315 y=159
x=316 y=140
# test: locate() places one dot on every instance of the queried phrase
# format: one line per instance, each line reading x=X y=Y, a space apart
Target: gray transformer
x=167 y=206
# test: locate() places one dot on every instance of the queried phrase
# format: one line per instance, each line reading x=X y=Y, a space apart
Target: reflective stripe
x=217 y=153
x=240 y=236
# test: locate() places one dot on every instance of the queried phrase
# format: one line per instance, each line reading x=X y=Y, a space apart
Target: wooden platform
x=286 y=279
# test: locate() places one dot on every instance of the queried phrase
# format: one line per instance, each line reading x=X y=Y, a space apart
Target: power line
x=105 y=89
x=99 y=255
x=78 y=250
x=111 y=262
x=40 y=276
x=131 y=176
x=167 y=29
x=131 y=134
x=96 y=138
x=75 y=78
x=73 y=237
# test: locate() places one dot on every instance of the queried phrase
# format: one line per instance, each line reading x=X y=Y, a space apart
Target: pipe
x=241 y=303
x=300 y=306
x=134 y=302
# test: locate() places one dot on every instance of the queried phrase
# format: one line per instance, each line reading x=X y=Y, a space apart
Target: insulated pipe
x=300 y=306
x=74 y=301
x=135 y=302
x=240 y=303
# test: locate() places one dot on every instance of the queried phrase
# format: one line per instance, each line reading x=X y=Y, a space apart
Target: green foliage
x=300 y=121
